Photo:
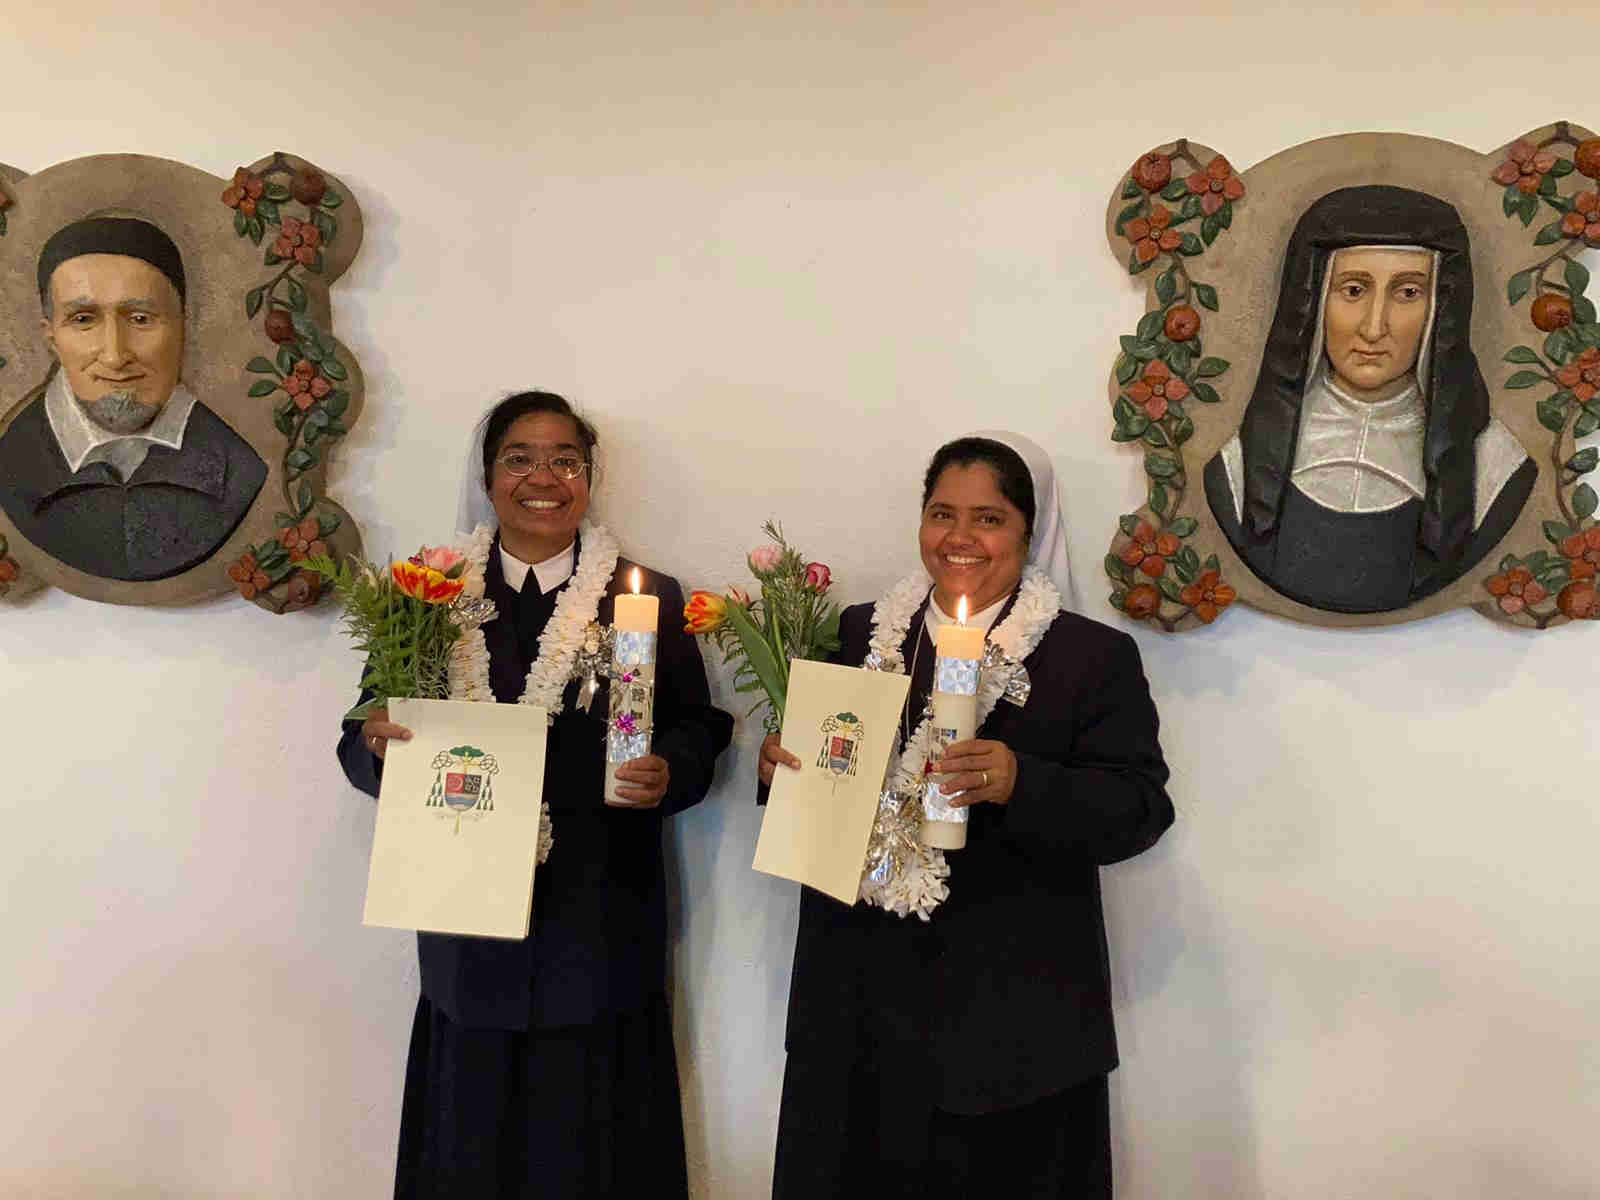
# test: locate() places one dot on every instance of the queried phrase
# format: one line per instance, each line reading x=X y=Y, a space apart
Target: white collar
x=1353 y=456
x=935 y=617
x=550 y=574
x=82 y=441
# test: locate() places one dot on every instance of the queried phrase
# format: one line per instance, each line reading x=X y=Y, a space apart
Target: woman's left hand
x=984 y=772
x=646 y=780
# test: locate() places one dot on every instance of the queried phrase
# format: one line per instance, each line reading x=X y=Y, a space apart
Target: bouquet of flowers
x=405 y=619
x=790 y=620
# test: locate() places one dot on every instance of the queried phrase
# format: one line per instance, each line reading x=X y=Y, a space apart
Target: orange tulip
x=424 y=583
x=705 y=613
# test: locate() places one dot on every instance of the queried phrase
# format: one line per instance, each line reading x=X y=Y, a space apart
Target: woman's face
x=539 y=512
x=1377 y=313
x=972 y=538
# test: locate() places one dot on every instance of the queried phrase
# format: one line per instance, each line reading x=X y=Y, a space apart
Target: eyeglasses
x=562 y=466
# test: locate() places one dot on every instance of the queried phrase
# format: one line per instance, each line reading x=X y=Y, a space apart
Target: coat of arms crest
x=463 y=784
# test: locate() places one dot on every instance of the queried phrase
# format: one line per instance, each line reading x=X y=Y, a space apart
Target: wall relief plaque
x=1361 y=382
x=170 y=386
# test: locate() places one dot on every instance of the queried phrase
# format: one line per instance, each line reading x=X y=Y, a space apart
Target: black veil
x=1457 y=399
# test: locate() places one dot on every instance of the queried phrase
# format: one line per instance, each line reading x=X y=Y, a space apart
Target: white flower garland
x=576 y=609
x=918 y=886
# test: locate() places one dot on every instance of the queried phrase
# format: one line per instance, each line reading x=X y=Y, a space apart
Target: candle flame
x=635 y=581
x=961 y=611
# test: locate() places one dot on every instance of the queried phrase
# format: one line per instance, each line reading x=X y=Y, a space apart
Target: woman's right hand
x=772 y=755
x=377 y=729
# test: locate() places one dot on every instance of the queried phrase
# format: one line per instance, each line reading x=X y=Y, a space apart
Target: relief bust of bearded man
x=1368 y=472
x=117 y=469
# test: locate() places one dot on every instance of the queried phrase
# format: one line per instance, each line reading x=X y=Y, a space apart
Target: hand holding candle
x=633 y=681
x=959 y=650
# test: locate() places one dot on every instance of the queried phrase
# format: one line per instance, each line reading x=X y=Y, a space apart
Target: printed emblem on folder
x=841 y=744
x=463 y=784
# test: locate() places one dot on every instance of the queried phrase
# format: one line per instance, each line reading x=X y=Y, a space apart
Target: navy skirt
x=864 y=1123
x=579 y=1111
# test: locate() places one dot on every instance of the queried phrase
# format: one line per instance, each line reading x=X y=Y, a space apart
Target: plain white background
x=779 y=253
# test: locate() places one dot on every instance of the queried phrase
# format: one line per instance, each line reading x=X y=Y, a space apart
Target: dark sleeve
x=855 y=626
x=689 y=732
x=1103 y=796
x=362 y=767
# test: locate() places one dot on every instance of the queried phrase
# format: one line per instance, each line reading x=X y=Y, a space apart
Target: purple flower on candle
x=629 y=676
x=626 y=724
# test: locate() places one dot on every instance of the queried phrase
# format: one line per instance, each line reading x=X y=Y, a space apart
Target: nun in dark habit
x=1368 y=472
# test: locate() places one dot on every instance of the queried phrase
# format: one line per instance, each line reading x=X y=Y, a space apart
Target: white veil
x=473 y=507
x=1048 y=550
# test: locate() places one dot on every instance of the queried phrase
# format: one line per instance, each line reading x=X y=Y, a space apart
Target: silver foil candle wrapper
x=631 y=719
x=954 y=714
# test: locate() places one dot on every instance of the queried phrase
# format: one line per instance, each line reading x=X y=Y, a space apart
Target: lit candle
x=633 y=683
x=958 y=648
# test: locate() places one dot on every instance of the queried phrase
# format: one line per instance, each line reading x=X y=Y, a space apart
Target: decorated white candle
x=958 y=649
x=633 y=684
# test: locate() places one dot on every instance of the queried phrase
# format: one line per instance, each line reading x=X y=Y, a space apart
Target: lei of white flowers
x=576 y=609
x=918 y=885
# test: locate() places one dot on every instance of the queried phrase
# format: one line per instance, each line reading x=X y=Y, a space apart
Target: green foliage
x=407 y=642
x=790 y=620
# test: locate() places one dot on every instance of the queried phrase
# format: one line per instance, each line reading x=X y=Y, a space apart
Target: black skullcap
x=110 y=235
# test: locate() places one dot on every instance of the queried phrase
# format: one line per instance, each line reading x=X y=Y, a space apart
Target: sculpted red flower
x=1583 y=551
x=1208 y=596
x=1515 y=590
x=1149 y=550
x=302 y=591
x=1579 y=600
x=1149 y=236
x=1156 y=389
x=1153 y=172
x=10 y=571
x=1215 y=185
x=308 y=186
x=1142 y=601
x=243 y=192
x=298 y=240
x=306 y=385
x=1524 y=166
x=1584 y=219
x=1581 y=376
x=1181 y=323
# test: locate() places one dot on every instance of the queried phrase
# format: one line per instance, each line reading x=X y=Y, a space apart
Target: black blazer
x=171 y=514
x=598 y=943
x=1008 y=986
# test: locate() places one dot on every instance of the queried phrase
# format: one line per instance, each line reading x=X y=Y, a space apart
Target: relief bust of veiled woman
x=1367 y=472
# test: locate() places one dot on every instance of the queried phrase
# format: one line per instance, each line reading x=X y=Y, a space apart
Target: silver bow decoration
x=592 y=662
x=1018 y=687
x=895 y=837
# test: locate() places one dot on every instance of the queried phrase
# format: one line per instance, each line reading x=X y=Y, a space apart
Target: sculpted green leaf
x=1584 y=500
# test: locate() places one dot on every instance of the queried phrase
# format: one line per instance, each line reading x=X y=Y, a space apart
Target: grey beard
x=120 y=412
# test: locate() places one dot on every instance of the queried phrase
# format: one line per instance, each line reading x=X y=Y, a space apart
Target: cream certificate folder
x=840 y=722
x=457 y=837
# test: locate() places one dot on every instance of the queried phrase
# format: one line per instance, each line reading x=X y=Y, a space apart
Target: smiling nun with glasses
x=545 y=1067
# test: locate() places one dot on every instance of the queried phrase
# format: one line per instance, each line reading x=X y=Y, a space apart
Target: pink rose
x=739 y=596
x=765 y=559
x=446 y=560
x=818 y=577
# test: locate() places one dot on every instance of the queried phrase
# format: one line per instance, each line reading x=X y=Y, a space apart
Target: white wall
x=779 y=253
